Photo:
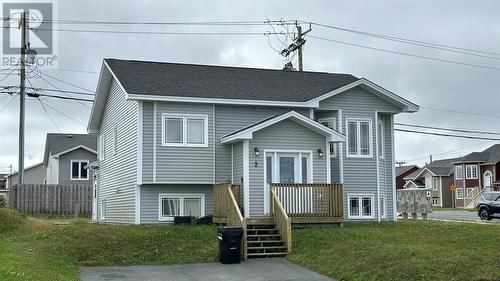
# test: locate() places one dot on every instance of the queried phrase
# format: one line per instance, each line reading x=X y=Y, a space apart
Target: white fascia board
x=406 y=105
x=222 y=101
x=246 y=134
x=75 y=148
x=423 y=170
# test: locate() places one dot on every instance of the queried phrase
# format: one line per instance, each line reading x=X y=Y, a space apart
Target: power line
x=446 y=135
x=50 y=117
x=64 y=114
x=405 y=54
x=443 y=47
x=65 y=82
x=51 y=84
x=7 y=105
x=448 y=129
x=73 y=70
x=8 y=74
x=155 y=32
x=460 y=112
x=58 y=97
x=61 y=91
x=215 y=23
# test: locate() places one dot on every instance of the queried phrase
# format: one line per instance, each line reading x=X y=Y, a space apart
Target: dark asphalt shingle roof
x=442 y=167
x=205 y=81
x=56 y=143
x=489 y=155
x=403 y=169
x=413 y=175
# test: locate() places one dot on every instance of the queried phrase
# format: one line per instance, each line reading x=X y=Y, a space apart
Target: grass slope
x=401 y=251
x=36 y=249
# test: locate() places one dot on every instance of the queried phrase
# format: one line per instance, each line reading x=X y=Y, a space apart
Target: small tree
x=3 y=202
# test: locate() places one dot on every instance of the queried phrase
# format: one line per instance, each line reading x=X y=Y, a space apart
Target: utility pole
x=400 y=163
x=300 y=39
x=20 y=178
x=430 y=158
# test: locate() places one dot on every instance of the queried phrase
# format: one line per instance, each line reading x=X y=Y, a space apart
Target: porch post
x=246 y=178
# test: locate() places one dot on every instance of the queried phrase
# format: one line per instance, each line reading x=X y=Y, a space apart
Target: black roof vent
x=289 y=67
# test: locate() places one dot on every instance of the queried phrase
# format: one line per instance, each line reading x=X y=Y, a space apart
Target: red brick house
x=475 y=173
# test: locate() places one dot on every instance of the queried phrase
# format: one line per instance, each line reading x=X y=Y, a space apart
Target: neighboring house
x=168 y=132
x=66 y=156
x=3 y=185
x=438 y=175
x=34 y=174
x=475 y=173
x=402 y=172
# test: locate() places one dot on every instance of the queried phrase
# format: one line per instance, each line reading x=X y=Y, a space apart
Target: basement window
x=172 y=205
x=360 y=206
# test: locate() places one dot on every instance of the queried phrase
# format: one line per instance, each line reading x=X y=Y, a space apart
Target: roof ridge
x=231 y=67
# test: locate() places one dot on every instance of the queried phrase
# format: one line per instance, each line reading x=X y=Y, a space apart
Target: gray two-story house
x=168 y=132
x=66 y=157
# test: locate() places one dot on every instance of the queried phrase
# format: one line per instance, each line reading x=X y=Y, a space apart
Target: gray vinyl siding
x=231 y=118
x=150 y=198
x=34 y=175
x=147 y=144
x=65 y=166
x=237 y=163
x=117 y=172
x=389 y=184
x=177 y=164
x=286 y=134
x=360 y=174
x=335 y=161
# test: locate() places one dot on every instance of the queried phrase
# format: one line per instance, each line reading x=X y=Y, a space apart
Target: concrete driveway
x=458 y=215
x=262 y=270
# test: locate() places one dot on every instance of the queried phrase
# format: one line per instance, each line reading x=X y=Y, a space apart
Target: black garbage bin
x=230 y=244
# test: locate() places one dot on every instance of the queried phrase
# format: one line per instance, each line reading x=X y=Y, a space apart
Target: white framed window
x=102 y=146
x=460 y=193
x=78 y=171
x=180 y=204
x=469 y=190
x=471 y=171
x=435 y=183
x=380 y=139
x=184 y=130
x=102 y=208
x=458 y=172
x=435 y=202
x=383 y=207
x=359 y=138
x=332 y=124
x=360 y=206
x=114 y=140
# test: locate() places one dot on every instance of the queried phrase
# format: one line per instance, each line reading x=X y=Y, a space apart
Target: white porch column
x=246 y=178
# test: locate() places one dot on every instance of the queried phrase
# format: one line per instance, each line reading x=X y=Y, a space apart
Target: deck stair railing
x=471 y=198
x=227 y=210
x=281 y=220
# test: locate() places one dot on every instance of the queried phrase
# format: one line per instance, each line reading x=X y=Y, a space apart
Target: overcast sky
x=430 y=84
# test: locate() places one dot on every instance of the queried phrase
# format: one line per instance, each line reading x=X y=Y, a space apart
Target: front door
x=286 y=167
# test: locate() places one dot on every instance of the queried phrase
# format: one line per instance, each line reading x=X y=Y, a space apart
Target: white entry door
x=286 y=167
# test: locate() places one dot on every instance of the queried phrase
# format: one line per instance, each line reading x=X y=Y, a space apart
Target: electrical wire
x=67 y=83
x=7 y=105
x=446 y=135
x=460 y=112
x=50 y=117
x=66 y=115
x=215 y=23
x=51 y=84
x=64 y=98
x=61 y=91
x=449 y=129
x=405 y=54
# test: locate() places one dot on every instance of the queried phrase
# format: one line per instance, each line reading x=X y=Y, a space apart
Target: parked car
x=488 y=205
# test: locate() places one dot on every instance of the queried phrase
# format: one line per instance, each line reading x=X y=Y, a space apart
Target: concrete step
x=266 y=255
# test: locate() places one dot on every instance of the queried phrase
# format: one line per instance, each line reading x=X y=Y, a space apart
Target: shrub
x=10 y=220
x=3 y=202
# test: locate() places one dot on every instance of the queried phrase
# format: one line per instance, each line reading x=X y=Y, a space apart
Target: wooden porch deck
x=297 y=205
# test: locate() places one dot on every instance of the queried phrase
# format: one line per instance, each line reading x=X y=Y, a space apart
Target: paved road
x=262 y=270
x=458 y=215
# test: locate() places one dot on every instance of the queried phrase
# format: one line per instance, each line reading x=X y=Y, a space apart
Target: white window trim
x=79 y=170
x=468 y=190
x=370 y=137
x=435 y=185
x=462 y=189
x=181 y=206
x=467 y=174
x=102 y=147
x=184 y=118
x=334 y=121
x=381 y=149
x=462 y=173
x=360 y=196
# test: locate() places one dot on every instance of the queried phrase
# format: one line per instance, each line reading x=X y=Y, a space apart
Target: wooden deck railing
x=227 y=210
x=282 y=221
x=311 y=201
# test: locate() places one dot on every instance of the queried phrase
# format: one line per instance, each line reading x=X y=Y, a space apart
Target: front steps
x=263 y=240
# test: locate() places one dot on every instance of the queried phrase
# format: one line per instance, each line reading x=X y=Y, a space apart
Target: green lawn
x=39 y=249
x=401 y=251
x=44 y=249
